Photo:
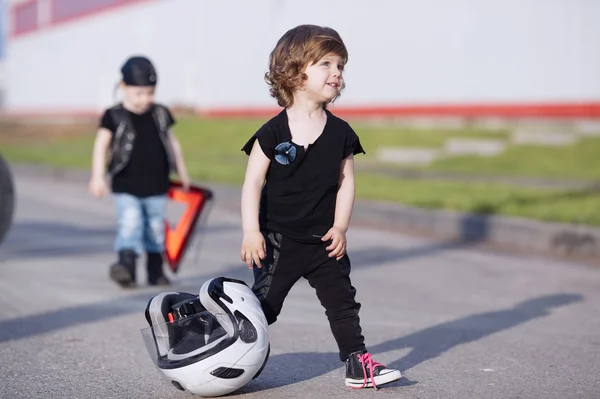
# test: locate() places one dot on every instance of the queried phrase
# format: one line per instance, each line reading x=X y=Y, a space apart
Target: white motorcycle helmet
x=209 y=344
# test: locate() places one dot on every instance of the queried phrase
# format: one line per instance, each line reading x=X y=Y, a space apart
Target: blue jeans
x=140 y=223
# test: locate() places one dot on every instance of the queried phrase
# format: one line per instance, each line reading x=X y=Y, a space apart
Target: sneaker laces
x=367 y=361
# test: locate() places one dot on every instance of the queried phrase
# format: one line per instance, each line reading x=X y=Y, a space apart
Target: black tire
x=7 y=198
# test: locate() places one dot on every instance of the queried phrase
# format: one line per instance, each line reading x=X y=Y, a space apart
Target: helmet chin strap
x=188 y=307
x=185 y=308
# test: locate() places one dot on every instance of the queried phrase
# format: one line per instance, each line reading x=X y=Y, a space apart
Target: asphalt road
x=459 y=322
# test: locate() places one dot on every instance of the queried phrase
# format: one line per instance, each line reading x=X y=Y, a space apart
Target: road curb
x=517 y=234
x=560 y=239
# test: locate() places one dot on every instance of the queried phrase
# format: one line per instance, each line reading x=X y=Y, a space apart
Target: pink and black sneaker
x=364 y=372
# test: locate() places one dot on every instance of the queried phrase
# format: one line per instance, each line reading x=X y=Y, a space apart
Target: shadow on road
x=425 y=345
x=30 y=240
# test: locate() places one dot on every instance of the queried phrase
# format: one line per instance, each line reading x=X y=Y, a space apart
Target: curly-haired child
x=298 y=194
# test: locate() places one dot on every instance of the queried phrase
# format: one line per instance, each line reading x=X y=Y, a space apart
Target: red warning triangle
x=177 y=239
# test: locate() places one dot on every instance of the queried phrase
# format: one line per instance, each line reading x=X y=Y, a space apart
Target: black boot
x=123 y=271
x=155 y=269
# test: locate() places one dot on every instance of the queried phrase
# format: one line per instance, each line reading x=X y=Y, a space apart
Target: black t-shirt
x=299 y=195
x=147 y=172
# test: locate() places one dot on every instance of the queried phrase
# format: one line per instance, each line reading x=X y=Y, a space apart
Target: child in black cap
x=143 y=151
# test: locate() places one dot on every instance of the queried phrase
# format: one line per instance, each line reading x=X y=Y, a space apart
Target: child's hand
x=185 y=182
x=338 y=242
x=253 y=248
x=98 y=187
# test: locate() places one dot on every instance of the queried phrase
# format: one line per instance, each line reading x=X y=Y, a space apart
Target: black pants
x=286 y=262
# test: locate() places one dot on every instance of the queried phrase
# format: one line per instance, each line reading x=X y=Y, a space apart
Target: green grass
x=580 y=160
x=212 y=152
x=72 y=153
x=373 y=137
x=548 y=205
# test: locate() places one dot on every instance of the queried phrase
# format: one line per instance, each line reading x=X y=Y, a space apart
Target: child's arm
x=345 y=196
x=343 y=210
x=97 y=184
x=253 y=244
x=179 y=161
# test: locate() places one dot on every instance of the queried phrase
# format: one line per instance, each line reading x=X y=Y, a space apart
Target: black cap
x=139 y=71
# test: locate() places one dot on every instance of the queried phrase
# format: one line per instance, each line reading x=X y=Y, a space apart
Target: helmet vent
x=177 y=385
x=227 y=372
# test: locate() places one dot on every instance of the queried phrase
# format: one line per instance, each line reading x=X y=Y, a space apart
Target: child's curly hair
x=298 y=48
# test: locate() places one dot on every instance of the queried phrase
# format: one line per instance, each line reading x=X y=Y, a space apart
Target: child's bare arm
x=179 y=160
x=101 y=144
x=253 y=244
x=343 y=210
x=258 y=163
x=97 y=183
x=345 y=196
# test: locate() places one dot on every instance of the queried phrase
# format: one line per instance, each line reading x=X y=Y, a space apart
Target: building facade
x=427 y=57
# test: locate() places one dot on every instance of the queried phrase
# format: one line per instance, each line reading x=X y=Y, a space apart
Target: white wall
x=213 y=54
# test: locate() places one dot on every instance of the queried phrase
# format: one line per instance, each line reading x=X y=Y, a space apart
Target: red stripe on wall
x=24 y=18
x=71 y=10
x=533 y=110
x=64 y=11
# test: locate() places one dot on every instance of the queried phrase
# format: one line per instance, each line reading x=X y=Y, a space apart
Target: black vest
x=122 y=141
